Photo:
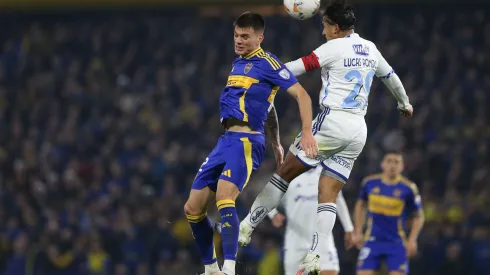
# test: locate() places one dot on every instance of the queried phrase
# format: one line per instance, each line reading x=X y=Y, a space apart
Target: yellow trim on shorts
x=247 y=152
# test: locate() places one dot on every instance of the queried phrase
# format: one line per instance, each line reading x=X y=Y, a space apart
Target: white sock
x=266 y=200
x=326 y=214
x=229 y=267
x=210 y=269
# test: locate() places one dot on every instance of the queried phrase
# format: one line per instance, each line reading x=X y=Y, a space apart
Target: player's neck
x=251 y=53
x=391 y=179
x=346 y=33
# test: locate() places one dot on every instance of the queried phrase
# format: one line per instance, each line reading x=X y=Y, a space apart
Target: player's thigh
x=329 y=272
x=242 y=154
x=292 y=167
x=208 y=174
x=369 y=259
x=328 y=144
x=396 y=259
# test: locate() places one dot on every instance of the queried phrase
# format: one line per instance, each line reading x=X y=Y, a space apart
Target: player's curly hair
x=340 y=13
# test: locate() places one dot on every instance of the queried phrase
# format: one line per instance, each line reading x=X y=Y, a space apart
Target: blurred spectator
x=105 y=118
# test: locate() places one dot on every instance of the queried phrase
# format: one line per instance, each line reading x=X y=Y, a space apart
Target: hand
x=406 y=112
x=278 y=154
x=308 y=144
x=278 y=220
x=349 y=240
x=411 y=248
x=357 y=240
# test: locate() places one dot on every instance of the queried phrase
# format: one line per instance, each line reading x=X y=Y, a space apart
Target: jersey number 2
x=351 y=101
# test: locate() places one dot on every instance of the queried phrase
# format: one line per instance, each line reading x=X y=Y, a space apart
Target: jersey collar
x=386 y=180
x=253 y=53
x=352 y=35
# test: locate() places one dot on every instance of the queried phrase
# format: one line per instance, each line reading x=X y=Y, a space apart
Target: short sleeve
x=276 y=73
x=384 y=69
x=327 y=53
x=363 y=194
x=414 y=200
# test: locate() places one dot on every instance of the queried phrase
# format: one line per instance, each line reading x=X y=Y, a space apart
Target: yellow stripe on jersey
x=275 y=65
x=273 y=94
x=247 y=152
x=410 y=185
x=196 y=219
x=225 y=203
x=241 y=82
x=369 y=228
x=384 y=205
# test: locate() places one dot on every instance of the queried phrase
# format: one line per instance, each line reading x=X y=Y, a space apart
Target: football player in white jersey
x=300 y=203
x=349 y=64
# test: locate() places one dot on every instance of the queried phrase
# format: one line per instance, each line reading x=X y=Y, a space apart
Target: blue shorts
x=233 y=159
x=374 y=253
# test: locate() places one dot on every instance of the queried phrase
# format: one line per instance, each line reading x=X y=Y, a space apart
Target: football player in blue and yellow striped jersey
x=247 y=112
x=390 y=200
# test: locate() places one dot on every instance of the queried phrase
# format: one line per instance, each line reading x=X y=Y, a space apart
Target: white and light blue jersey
x=348 y=67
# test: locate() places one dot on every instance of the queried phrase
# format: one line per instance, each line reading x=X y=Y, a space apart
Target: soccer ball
x=302 y=9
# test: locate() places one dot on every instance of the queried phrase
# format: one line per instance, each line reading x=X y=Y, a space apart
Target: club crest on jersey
x=376 y=190
x=247 y=68
x=397 y=193
x=361 y=49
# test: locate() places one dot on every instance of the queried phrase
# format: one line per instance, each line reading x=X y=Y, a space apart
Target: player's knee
x=192 y=209
x=329 y=189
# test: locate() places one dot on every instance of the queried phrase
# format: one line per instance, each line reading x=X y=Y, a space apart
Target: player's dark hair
x=393 y=152
x=341 y=14
x=250 y=20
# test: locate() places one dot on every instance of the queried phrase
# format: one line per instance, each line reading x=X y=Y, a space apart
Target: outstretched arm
x=323 y=56
x=391 y=80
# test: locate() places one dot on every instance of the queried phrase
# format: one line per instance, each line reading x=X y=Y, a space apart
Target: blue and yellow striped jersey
x=390 y=204
x=252 y=86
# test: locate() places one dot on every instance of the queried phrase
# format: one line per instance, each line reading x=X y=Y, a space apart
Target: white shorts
x=294 y=255
x=341 y=137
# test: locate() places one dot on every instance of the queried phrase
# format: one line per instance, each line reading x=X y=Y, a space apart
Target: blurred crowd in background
x=105 y=118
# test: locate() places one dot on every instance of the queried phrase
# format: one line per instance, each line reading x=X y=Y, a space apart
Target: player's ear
x=261 y=37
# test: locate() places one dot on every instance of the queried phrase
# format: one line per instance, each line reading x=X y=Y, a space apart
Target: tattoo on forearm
x=272 y=126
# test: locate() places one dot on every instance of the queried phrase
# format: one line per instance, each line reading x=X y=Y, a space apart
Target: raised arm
x=391 y=80
x=323 y=56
